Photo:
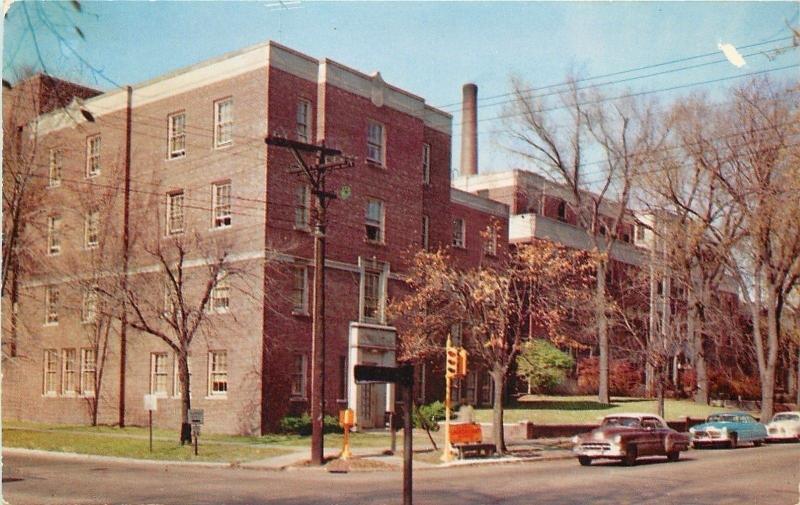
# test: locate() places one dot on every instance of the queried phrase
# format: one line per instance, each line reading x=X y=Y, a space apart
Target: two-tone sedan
x=626 y=437
x=784 y=426
x=728 y=429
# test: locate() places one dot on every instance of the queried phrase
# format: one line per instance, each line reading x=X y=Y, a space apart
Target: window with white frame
x=303 y=120
x=376 y=148
x=56 y=164
x=223 y=122
x=641 y=230
x=221 y=204
x=426 y=224
x=91 y=229
x=302 y=207
x=54 y=235
x=459 y=232
x=68 y=372
x=299 y=368
x=374 y=221
x=88 y=371
x=490 y=242
x=426 y=163
x=221 y=293
x=175 y=216
x=158 y=374
x=93 y=156
x=217 y=373
x=89 y=306
x=300 y=290
x=372 y=301
x=169 y=297
x=51 y=302
x=177 y=382
x=176 y=124
x=50 y=387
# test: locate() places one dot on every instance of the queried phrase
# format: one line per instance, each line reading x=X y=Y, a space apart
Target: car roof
x=637 y=415
x=788 y=412
x=737 y=413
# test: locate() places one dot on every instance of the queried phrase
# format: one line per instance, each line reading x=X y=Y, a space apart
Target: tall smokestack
x=469 y=130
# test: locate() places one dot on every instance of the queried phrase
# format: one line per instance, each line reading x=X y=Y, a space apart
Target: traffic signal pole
x=447 y=455
x=315 y=174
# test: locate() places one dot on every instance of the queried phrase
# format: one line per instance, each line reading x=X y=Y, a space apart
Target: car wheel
x=584 y=460
x=630 y=456
x=734 y=441
x=757 y=443
x=673 y=455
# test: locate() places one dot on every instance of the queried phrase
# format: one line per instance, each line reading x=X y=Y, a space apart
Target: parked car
x=626 y=437
x=729 y=429
x=784 y=426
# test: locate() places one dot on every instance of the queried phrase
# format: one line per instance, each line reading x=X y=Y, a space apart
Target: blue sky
x=428 y=48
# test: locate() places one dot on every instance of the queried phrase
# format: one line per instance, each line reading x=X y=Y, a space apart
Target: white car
x=784 y=426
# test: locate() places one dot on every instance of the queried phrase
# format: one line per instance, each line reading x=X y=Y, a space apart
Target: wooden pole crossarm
x=302 y=146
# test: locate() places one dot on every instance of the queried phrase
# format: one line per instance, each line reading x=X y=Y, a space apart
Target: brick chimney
x=469 y=130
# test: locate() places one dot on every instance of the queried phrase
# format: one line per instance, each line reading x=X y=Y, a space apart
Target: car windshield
x=628 y=422
x=723 y=418
x=786 y=417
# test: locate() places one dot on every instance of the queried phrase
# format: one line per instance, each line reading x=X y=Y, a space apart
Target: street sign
x=370 y=374
x=150 y=402
x=196 y=416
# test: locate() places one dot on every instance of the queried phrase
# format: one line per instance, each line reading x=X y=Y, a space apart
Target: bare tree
x=624 y=131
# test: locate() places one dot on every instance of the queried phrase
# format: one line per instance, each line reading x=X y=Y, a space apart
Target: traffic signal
x=451 y=368
x=461 y=369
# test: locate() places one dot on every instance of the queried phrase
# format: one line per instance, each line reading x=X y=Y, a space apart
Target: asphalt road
x=767 y=475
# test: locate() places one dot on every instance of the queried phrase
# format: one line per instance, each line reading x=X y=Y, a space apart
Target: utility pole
x=327 y=160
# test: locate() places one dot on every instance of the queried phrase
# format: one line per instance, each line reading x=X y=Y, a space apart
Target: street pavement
x=767 y=475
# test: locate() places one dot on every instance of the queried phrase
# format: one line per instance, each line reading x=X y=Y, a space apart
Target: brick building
x=184 y=155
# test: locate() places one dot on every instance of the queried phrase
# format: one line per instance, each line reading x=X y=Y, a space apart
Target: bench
x=467 y=439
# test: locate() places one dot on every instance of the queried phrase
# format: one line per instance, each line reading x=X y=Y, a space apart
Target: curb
x=114 y=459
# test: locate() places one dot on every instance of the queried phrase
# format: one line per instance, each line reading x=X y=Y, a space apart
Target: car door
x=653 y=438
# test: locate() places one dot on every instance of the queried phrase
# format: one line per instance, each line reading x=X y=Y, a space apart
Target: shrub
x=543 y=365
x=427 y=417
x=625 y=378
x=301 y=425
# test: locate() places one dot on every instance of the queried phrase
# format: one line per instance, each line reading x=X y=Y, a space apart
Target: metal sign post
x=196 y=419
x=403 y=376
x=151 y=404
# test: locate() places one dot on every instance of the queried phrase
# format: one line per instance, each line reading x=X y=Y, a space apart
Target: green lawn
x=587 y=410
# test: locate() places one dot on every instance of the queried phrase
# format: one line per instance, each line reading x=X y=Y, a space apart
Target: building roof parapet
x=478 y=203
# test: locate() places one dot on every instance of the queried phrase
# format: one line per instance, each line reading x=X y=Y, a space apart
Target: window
x=177 y=383
x=303 y=120
x=640 y=231
x=177 y=135
x=89 y=306
x=169 y=300
x=88 y=371
x=300 y=290
x=221 y=196
x=471 y=388
x=91 y=230
x=223 y=122
x=373 y=296
x=426 y=223
x=426 y=163
x=375 y=142
x=93 y=156
x=419 y=383
x=302 y=207
x=54 y=235
x=175 y=212
x=56 y=163
x=68 y=362
x=50 y=372
x=221 y=293
x=562 y=211
x=217 y=373
x=458 y=233
x=487 y=389
x=490 y=244
x=51 y=305
x=374 y=221
x=158 y=373
x=299 y=376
